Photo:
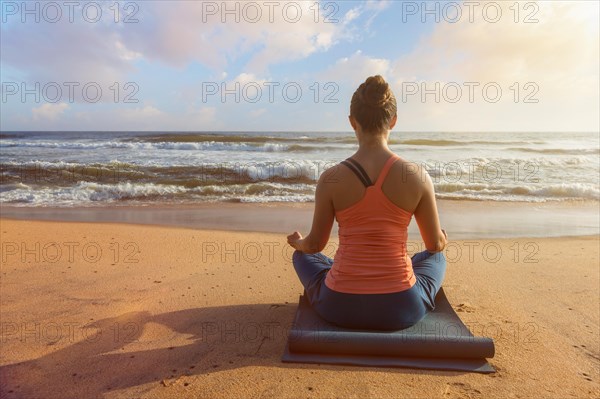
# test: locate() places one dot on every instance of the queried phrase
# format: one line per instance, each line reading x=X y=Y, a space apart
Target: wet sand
x=461 y=219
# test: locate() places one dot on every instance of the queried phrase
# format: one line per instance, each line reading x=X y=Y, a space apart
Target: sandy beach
x=100 y=310
x=156 y=155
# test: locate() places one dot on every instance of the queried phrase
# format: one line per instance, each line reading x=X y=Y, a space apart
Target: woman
x=372 y=283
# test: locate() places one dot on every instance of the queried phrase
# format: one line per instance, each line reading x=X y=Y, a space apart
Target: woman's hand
x=444 y=244
x=294 y=240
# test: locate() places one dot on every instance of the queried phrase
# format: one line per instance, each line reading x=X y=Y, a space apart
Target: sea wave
x=348 y=138
x=165 y=145
x=264 y=144
x=66 y=173
x=86 y=193
x=500 y=176
x=559 y=151
x=447 y=143
x=87 y=168
x=564 y=191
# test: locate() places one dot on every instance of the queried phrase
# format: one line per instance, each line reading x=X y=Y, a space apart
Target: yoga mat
x=440 y=341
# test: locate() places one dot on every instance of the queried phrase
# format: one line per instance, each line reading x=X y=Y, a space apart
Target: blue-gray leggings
x=392 y=311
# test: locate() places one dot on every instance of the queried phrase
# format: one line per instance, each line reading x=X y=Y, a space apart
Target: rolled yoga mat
x=440 y=341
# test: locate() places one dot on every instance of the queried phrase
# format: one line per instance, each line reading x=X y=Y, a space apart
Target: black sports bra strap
x=360 y=168
x=363 y=178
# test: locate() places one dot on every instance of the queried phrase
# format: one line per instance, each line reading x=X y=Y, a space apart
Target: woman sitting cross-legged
x=372 y=283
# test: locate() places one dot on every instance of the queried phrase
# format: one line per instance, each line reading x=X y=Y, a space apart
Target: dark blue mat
x=440 y=341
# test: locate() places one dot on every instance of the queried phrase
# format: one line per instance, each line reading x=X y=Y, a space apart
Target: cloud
x=245 y=78
x=356 y=68
x=66 y=52
x=203 y=116
x=257 y=113
x=377 y=5
x=174 y=34
x=215 y=34
x=151 y=118
x=141 y=114
x=553 y=63
x=558 y=56
x=49 y=111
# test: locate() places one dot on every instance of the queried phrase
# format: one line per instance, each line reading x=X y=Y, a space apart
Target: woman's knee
x=307 y=265
x=432 y=268
x=319 y=258
x=298 y=257
x=429 y=257
x=439 y=258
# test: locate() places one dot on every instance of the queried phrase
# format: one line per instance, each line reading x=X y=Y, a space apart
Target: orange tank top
x=372 y=256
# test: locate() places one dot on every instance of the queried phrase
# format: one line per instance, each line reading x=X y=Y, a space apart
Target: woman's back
x=373 y=229
x=403 y=184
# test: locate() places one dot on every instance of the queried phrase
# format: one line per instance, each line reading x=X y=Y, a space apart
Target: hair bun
x=373 y=105
x=376 y=92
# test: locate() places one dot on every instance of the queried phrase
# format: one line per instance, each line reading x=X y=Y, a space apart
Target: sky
x=293 y=65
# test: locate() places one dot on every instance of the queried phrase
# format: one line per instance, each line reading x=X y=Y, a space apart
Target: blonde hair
x=373 y=105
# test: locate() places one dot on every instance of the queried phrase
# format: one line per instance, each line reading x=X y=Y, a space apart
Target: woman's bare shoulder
x=333 y=174
x=410 y=172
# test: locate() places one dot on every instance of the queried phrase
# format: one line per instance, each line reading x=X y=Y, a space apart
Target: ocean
x=129 y=168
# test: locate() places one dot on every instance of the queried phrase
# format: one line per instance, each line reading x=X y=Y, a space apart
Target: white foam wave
x=86 y=192
x=460 y=190
x=163 y=145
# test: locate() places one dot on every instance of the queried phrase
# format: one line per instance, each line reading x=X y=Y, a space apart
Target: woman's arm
x=426 y=215
x=323 y=218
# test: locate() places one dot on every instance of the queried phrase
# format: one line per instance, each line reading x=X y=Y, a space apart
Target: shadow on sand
x=112 y=356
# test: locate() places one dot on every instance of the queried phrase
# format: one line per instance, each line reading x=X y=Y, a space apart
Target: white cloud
x=138 y=114
x=205 y=114
x=356 y=68
x=126 y=54
x=194 y=119
x=257 y=113
x=182 y=32
x=49 y=111
x=147 y=117
x=64 y=52
x=152 y=118
x=377 y=5
x=559 y=55
x=351 y=15
x=245 y=78
x=173 y=33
